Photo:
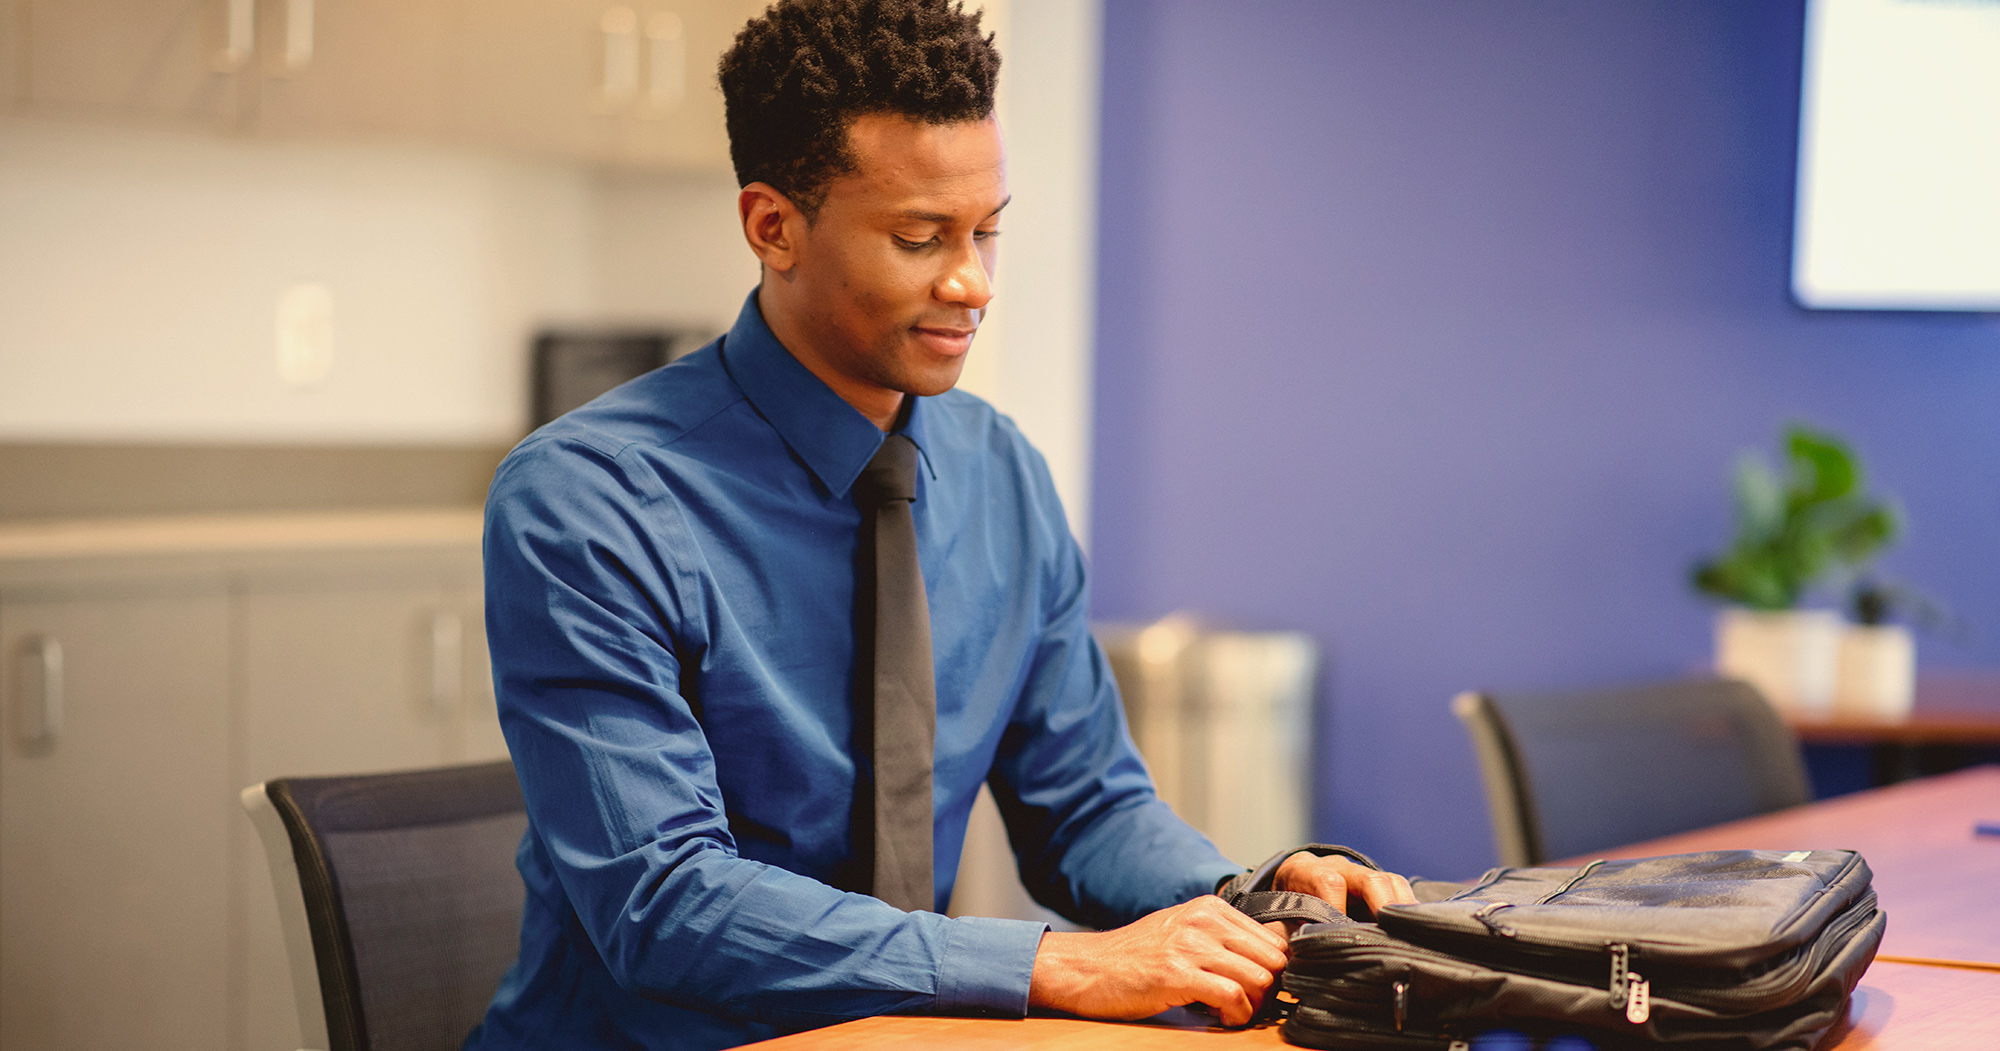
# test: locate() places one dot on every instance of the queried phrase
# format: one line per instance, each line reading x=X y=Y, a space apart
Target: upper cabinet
x=177 y=60
x=355 y=67
x=624 y=83
x=11 y=19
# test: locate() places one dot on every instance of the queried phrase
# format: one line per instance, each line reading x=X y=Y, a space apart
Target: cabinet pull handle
x=666 y=47
x=447 y=662
x=40 y=715
x=621 y=55
x=239 y=25
x=298 y=34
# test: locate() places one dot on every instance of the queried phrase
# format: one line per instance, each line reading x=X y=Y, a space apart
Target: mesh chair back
x=1569 y=773
x=411 y=896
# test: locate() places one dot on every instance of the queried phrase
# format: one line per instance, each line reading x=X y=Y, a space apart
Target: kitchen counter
x=40 y=550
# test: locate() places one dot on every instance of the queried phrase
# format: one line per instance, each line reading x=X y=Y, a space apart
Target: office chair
x=399 y=900
x=1569 y=773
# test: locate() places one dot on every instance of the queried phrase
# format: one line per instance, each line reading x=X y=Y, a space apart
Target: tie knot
x=891 y=475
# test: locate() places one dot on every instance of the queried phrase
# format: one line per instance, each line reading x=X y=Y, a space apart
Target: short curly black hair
x=800 y=74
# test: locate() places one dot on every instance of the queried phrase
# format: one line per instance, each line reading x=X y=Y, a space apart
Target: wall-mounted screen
x=1899 y=156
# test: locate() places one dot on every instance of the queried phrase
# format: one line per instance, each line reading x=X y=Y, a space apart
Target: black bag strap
x=1260 y=878
x=1252 y=893
x=1265 y=906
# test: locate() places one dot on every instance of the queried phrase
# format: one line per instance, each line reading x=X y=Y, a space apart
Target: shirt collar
x=819 y=426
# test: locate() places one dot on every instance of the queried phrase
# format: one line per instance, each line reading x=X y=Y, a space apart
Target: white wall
x=670 y=249
x=140 y=271
x=1035 y=348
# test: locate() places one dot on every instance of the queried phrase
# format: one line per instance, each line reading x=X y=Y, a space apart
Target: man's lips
x=945 y=339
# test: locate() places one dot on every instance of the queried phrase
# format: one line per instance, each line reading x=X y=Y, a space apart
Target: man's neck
x=879 y=405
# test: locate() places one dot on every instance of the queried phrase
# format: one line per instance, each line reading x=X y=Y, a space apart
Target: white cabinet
x=177 y=662
x=356 y=67
x=114 y=833
x=628 y=83
x=136 y=59
x=625 y=82
x=11 y=43
x=278 y=66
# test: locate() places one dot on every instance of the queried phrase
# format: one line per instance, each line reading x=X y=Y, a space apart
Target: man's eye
x=985 y=235
x=904 y=242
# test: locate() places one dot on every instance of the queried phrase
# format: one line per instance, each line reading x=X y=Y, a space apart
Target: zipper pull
x=1639 y=1003
x=1620 y=977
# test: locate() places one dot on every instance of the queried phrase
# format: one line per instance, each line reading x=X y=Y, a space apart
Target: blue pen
x=1986 y=828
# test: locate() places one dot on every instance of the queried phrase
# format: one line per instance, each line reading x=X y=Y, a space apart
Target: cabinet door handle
x=239 y=35
x=621 y=55
x=447 y=663
x=298 y=34
x=666 y=57
x=39 y=715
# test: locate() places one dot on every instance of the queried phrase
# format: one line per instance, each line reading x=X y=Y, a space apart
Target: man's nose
x=967 y=282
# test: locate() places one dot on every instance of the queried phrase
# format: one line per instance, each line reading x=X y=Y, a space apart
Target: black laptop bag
x=1742 y=950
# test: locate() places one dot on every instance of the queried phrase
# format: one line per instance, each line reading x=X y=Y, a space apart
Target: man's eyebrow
x=921 y=216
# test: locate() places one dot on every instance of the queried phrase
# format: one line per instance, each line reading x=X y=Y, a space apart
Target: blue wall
x=1432 y=328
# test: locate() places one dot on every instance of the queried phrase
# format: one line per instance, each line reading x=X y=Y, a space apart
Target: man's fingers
x=1387 y=890
x=1252 y=940
x=1201 y=951
x=1312 y=876
x=1336 y=878
x=1234 y=1001
x=1382 y=888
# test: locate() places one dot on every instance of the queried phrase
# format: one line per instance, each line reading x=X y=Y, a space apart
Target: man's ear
x=772 y=225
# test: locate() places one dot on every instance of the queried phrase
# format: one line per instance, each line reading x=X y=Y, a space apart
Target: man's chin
x=931 y=382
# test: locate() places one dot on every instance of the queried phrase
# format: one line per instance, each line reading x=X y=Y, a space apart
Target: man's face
x=895 y=272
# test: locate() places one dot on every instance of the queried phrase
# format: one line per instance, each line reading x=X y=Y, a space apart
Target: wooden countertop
x=45 y=541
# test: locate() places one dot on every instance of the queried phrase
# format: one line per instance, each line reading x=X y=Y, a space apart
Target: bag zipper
x=1571 y=882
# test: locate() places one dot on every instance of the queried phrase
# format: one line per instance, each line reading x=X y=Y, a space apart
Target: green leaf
x=1795 y=531
x=1823 y=468
x=1760 y=498
x=1864 y=533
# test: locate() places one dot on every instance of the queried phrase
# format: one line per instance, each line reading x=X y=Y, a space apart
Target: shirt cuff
x=1210 y=878
x=986 y=965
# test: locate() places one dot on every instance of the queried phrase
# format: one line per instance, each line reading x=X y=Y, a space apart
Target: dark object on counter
x=572 y=367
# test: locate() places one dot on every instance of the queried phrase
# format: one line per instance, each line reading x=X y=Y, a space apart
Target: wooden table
x=1939 y=883
x=1897 y=1007
x=1934 y=878
x=1955 y=717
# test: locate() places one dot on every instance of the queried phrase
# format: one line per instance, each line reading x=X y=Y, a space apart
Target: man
x=689 y=664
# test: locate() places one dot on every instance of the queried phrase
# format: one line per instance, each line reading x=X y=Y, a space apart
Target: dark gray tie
x=899 y=699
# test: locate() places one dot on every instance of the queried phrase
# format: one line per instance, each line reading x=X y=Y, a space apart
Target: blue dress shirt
x=670 y=576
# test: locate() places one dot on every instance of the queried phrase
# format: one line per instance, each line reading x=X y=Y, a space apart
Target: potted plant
x=1795 y=530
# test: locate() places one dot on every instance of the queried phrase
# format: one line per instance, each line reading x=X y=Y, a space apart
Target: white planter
x=1791 y=656
x=1878 y=672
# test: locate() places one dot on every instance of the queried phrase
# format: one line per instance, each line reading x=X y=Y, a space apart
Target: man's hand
x=1334 y=878
x=1203 y=951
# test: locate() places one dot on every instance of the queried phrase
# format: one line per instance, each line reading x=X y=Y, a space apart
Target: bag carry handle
x=1252 y=893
